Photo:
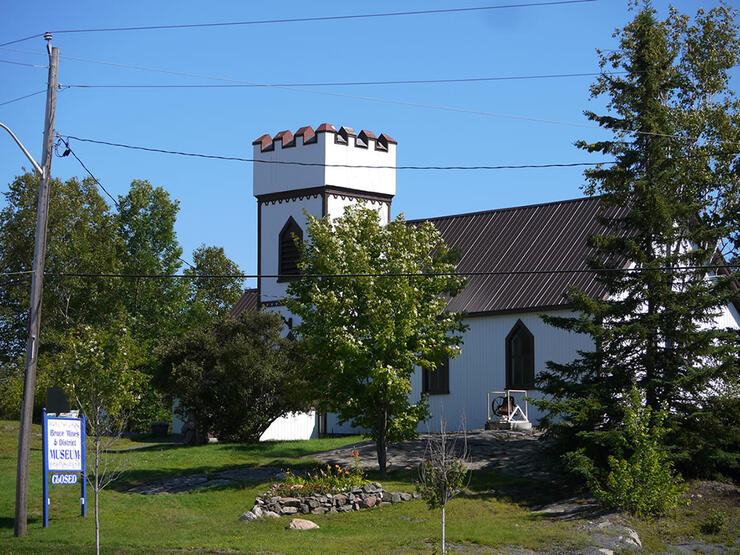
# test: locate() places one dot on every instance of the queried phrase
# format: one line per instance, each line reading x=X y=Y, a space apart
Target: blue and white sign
x=64 y=444
x=63 y=479
x=64 y=457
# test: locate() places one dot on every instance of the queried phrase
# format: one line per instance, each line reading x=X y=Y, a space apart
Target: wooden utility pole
x=37 y=288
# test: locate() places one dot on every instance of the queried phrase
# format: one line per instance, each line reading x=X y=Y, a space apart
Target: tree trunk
x=381 y=442
x=443 y=530
x=97 y=495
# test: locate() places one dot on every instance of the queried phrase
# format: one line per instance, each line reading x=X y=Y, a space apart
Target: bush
x=645 y=484
x=714 y=523
x=233 y=376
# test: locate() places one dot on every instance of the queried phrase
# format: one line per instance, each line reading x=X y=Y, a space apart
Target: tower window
x=437 y=381
x=288 y=252
x=520 y=358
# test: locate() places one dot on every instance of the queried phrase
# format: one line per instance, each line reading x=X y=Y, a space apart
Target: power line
x=21 y=97
x=95 y=179
x=22 y=64
x=349 y=83
x=304 y=19
x=289 y=163
x=395 y=275
x=379 y=100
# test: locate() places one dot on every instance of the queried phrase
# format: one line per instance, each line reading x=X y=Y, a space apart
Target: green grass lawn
x=208 y=520
x=491 y=513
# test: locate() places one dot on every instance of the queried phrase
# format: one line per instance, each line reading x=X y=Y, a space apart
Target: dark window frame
x=291 y=250
x=437 y=381
x=519 y=327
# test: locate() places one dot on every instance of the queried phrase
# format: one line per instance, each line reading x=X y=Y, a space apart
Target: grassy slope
x=207 y=520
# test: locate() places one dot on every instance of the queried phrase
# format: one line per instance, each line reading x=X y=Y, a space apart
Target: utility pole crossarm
x=23 y=148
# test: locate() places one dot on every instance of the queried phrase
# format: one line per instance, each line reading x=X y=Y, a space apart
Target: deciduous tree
x=365 y=335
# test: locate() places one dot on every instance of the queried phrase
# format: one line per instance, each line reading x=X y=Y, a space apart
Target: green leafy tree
x=210 y=297
x=670 y=202
x=365 y=336
x=96 y=367
x=235 y=376
x=146 y=225
x=81 y=239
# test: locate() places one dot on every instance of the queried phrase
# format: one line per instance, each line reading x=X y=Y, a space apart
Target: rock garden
x=330 y=489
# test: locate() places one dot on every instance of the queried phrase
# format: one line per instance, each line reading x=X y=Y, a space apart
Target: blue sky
x=216 y=202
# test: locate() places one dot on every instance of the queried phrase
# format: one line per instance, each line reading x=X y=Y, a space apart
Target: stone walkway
x=511 y=452
x=191 y=482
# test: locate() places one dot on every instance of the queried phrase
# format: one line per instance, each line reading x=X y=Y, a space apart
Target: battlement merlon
x=324 y=157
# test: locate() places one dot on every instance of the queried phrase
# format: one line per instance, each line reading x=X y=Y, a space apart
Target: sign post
x=64 y=457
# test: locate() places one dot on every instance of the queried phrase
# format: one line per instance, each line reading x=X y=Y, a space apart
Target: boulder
x=395 y=497
x=257 y=510
x=270 y=514
x=368 y=502
x=340 y=499
x=405 y=497
x=249 y=516
x=301 y=524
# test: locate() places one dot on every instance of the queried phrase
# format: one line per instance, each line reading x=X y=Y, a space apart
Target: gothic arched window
x=288 y=252
x=520 y=358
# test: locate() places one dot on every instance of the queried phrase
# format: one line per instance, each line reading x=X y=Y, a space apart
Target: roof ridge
x=508 y=208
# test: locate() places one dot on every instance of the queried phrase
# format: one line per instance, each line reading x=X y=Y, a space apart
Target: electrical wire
x=22 y=64
x=97 y=181
x=396 y=275
x=318 y=164
x=303 y=19
x=349 y=83
x=22 y=97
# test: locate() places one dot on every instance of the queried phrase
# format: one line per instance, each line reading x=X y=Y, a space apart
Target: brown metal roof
x=249 y=301
x=539 y=237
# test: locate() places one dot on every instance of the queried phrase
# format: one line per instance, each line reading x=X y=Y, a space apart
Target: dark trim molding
x=325 y=190
x=520 y=310
x=259 y=255
x=271 y=304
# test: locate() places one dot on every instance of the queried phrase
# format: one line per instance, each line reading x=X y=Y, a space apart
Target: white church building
x=507 y=344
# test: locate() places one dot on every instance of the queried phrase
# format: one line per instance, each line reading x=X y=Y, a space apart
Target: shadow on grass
x=7 y=522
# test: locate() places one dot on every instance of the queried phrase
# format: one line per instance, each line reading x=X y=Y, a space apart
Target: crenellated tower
x=320 y=171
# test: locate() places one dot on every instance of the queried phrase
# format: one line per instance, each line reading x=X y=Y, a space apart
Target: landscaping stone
x=301 y=524
x=257 y=511
x=318 y=511
x=249 y=516
x=385 y=503
x=290 y=501
x=270 y=514
x=395 y=497
x=405 y=496
x=289 y=511
x=369 y=501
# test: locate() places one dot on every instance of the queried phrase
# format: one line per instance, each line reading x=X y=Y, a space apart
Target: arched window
x=288 y=253
x=520 y=358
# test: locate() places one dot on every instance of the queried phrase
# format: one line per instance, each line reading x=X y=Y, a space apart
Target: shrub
x=645 y=484
x=714 y=522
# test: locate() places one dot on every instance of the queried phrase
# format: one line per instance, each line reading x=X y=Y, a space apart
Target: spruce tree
x=669 y=203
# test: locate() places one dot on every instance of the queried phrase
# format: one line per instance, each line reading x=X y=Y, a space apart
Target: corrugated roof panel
x=551 y=236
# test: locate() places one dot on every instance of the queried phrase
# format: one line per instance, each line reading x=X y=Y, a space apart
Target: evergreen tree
x=669 y=202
